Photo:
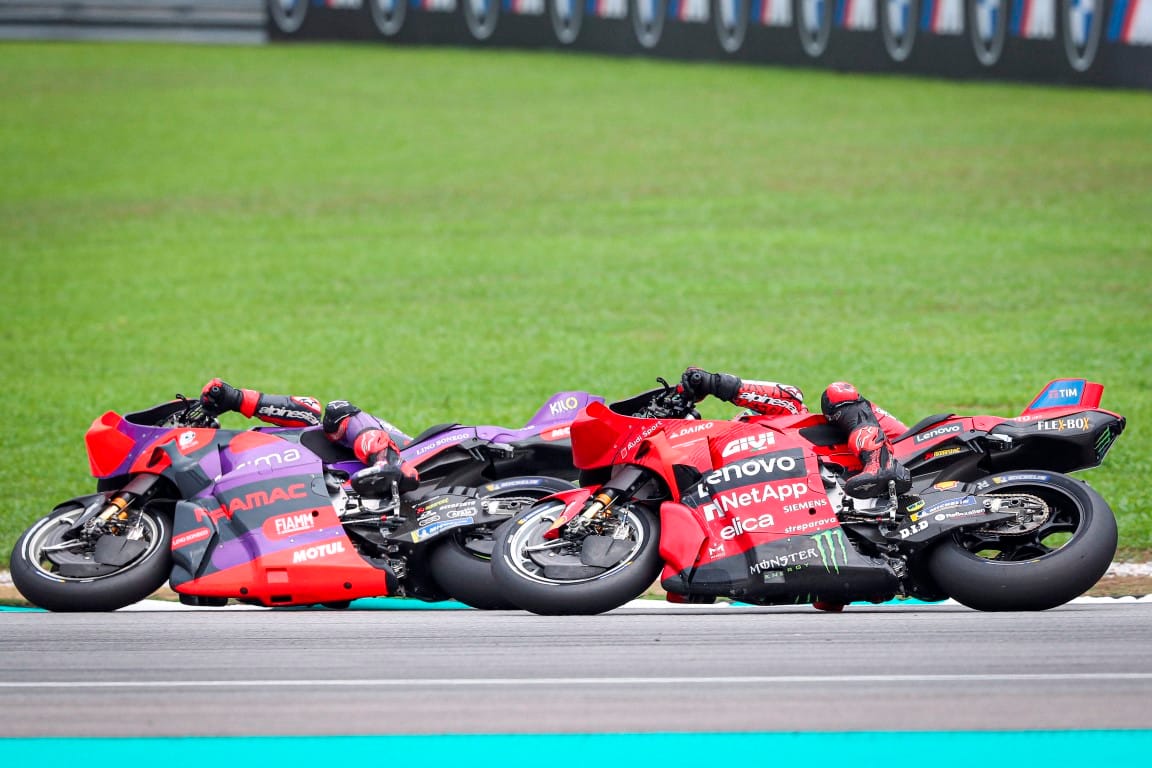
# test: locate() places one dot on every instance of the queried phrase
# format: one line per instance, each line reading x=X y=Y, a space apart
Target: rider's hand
x=219 y=397
x=697 y=383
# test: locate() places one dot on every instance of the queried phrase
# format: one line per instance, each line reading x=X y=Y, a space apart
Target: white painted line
x=448 y=682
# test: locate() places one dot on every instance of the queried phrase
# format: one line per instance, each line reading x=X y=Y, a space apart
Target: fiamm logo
x=988 y=26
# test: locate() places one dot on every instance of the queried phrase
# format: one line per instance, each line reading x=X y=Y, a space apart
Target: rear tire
x=462 y=564
x=1026 y=572
x=553 y=581
x=38 y=580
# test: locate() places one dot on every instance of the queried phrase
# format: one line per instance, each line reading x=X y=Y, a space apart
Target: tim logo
x=751 y=444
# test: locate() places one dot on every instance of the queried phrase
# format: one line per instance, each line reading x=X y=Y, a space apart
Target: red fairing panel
x=681 y=538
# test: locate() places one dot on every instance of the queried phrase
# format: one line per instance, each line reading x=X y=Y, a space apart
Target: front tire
x=550 y=577
x=61 y=584
x=462 y=564
x=1040 y=567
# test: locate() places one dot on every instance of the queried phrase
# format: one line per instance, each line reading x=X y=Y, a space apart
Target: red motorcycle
x=754 y=510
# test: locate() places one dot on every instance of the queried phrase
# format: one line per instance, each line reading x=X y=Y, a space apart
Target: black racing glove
x=220 y=397
x=698 y=383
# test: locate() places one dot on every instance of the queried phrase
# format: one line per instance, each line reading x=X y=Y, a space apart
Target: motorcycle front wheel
x=1032 y=565
x=59 y=573
x=462 y=564
x=574 y=575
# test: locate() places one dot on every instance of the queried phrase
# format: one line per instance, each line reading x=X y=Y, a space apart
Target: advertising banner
x=1090 y=42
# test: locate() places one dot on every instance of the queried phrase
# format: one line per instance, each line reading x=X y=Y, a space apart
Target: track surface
x=643 y=668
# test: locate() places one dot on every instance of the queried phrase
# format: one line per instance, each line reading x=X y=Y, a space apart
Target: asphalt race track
x=646 y=668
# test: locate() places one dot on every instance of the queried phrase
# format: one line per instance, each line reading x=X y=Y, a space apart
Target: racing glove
x=698 y=383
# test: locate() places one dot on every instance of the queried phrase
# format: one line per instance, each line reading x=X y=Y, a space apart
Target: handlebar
x=668 y=403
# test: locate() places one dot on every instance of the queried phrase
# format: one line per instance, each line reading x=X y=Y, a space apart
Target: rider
x=374 y=441
x=869 y=428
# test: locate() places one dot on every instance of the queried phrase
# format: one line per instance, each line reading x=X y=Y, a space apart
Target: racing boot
x=219 y=396
x=844 y=407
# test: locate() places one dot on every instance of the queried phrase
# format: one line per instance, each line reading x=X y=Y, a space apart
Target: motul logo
x=320 y=550
x=752 y=443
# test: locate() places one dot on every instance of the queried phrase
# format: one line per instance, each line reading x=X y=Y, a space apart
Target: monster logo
x=831 y=546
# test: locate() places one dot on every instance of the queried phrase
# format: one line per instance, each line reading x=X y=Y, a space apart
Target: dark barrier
x=1097 y=42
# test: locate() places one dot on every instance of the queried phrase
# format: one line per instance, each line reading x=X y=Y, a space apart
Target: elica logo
x=317 y=552
x=563 y=406
x=746 y=525
x=749 y=444
x=950 y=429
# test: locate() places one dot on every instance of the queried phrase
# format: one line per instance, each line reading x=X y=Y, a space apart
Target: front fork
x=116 y=508
x=599 y=508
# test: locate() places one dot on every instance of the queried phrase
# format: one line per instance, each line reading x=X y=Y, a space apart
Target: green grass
x=440 y=234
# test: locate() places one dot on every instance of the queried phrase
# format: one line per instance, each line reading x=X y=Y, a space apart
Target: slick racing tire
x=462 y=564
x=1031 y=566
x=43 y=577
x=549 y=576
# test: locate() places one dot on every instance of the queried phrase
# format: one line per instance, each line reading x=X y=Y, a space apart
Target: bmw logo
x=731 y=23
x=481 y=17
x=567 y=17
x=1083 y=25
x=288 y=14
x=898 y=26
x=814 y=23
x=388 y=15
x=988 y=23
x=648 y=20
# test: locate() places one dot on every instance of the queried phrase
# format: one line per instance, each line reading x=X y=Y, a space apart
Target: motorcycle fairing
x=1064 y=393
x=276 y=541
x=818 y=566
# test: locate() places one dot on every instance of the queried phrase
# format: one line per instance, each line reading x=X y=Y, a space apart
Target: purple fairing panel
x=559 y=410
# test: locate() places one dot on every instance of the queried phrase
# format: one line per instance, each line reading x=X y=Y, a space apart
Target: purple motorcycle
x=268 y=516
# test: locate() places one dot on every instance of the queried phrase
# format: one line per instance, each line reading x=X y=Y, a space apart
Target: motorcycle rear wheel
x=1044 y=567
x=39 y=579
x=462 y=564
x=549 y=577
